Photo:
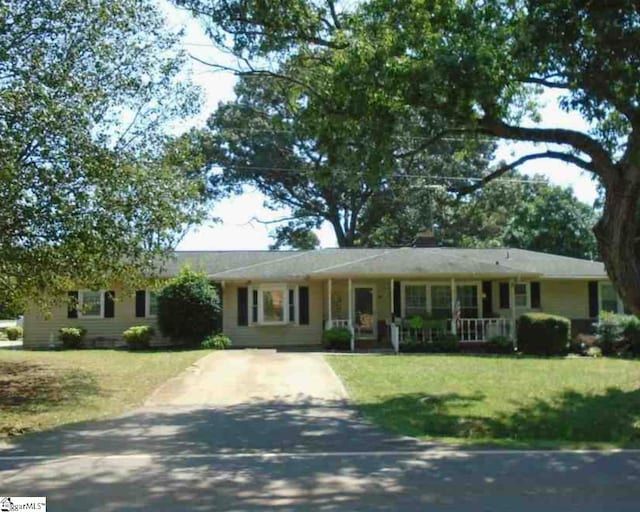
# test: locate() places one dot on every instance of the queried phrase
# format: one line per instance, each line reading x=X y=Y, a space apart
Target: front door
x=364 y=311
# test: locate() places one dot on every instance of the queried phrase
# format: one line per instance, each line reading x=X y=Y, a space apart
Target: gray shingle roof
x=402 y=262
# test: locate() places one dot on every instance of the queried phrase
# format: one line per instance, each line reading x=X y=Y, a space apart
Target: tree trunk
x=618 y=233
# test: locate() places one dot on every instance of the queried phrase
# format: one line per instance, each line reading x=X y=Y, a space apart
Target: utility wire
x=265 y=170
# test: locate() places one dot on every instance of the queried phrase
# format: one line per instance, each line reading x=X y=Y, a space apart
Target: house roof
x=403 y=262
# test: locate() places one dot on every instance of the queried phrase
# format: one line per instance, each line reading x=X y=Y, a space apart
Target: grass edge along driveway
x=503 y=402
x=42 y=389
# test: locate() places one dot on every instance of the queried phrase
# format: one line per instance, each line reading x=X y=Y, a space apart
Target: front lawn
x=40 y=390
x=499 y=401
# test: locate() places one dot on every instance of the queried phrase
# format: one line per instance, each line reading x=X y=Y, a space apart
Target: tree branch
x=503 y=169
x=601 y=162
x=546 y=83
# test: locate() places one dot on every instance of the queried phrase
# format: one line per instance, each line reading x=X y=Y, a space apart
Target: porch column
x=329 y=304
x=351 y=316
x=454 y=327
x=391 y=300
x=512 y=301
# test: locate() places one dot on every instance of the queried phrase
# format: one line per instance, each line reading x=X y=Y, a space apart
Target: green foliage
x=138 y=337
x=337 y=338
x=446 y=343
x=610 y=331
x=500 y=345
x=216 y=342
x=379 y=71
x=618 y=333
x=553 y=220
x=72 y=337
x=188 y=308
x=543 y=334
x=93 y=190
x=14 y=333
x=632 y=334
x=416 y=322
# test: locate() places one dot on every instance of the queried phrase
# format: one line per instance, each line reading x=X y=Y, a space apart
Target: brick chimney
x=425 y=238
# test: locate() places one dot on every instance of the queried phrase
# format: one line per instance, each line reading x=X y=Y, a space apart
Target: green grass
x=41 y=390
x=499 y=401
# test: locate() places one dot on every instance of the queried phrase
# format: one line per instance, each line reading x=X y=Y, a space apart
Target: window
x=609 y=298
x=521 y=292
x=415 y=300
x=152 y=303
x=270 y=305
x=91 y=304
x=441 y=301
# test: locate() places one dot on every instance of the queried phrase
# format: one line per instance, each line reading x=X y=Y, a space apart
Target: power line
x=257 y=169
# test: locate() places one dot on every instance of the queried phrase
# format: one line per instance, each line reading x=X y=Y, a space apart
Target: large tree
x=92 y=189
x=482 y=66
x=307 y=157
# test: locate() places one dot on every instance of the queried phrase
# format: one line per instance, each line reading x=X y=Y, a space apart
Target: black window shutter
x=593 y=299
x=141 y=303
x=303 y=299
x=487 y=299
x=243 y=305
x=109 y=304
x=535 y=294
x=72 y=309
x=504 y=296
x=397 y=304
x=292 y=305
x=254 y=306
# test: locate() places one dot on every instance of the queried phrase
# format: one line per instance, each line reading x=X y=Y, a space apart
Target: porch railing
x=337 y=322
x=468 y=330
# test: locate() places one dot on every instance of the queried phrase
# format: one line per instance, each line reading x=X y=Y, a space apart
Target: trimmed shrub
x=217 y=342
x=188 y=308
x=14 y=333
x=138 y=337
x=72 y=337
x=337 y=338
x=500 y=345
x=619 y=334
x=610 y=331
x=543 y=334
x=631 y=334
x=447 y=342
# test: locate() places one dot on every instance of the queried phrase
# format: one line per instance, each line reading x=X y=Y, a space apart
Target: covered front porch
x=388 y=312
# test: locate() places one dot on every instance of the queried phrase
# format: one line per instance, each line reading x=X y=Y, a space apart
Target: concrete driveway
x=261 y=430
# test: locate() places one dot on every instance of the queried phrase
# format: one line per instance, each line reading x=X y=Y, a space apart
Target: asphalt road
x=259 y=430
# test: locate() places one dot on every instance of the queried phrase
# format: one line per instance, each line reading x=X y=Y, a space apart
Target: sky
x=237 y=227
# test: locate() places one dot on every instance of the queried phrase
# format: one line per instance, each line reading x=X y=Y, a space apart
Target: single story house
x=287 y=298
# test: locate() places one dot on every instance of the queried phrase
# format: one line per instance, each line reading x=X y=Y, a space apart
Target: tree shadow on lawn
x=28 y=388
x=568 y=418
x=295 y=455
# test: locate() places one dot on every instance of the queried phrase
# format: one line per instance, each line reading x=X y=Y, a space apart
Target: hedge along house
x=287 y=298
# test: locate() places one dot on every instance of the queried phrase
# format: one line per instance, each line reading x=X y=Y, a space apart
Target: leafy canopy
x=480 y=67
x=92 y=188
